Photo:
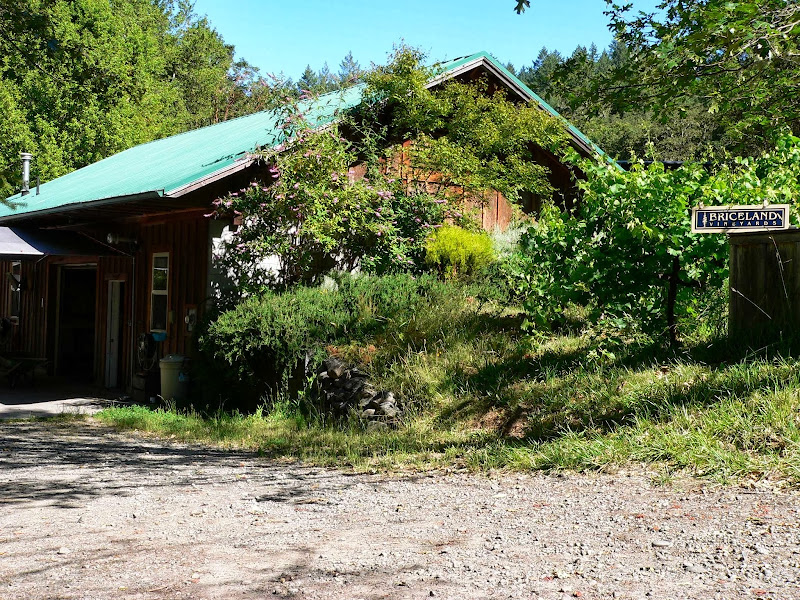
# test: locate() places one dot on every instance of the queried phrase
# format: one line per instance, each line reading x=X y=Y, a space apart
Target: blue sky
x=285 y=36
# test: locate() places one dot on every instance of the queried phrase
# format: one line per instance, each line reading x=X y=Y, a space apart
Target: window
x=159 y=288
x=15 y=279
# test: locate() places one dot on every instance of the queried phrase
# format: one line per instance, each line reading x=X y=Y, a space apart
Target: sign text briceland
x=733 y=219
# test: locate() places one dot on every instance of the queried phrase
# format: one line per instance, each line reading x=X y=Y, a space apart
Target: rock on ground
x=86 y=513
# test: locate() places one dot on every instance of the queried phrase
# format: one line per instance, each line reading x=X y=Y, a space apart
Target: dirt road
x=89 y=513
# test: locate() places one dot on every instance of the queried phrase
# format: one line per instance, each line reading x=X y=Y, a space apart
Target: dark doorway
x=75 y=345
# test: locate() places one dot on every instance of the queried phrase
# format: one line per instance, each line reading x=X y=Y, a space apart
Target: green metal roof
x=164 y=167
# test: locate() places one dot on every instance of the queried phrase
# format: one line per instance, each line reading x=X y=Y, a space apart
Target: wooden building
x=123 y=247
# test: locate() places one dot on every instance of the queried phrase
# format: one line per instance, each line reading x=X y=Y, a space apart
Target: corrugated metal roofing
x=163 y=167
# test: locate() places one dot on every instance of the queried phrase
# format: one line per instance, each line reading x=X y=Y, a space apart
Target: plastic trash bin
x=171 y=366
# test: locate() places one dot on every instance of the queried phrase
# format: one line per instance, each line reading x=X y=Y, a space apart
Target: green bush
x=627 y=251
x=265 y=346
x=456 y=252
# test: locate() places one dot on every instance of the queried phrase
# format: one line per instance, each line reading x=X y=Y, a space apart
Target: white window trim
x=154 y=292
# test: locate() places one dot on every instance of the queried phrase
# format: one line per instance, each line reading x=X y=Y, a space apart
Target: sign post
x=740 y=219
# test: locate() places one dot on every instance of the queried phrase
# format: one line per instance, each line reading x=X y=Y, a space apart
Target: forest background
x=83 y=80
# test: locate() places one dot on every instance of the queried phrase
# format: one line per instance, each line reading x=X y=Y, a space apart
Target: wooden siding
x=28 y=337
x=184 y=236
x=186 y=240
x=491 y=209
x=764 y=284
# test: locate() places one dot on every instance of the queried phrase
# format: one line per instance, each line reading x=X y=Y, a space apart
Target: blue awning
x=17 y=243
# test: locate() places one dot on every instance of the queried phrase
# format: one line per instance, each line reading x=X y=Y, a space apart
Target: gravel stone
x=213 y=524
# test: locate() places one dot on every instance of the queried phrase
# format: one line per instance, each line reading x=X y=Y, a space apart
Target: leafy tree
x=308 y=81
x=199 y=62
x=315 y=213
x=471 y=139
x=83 y=79
x=739 y=56
x=627 y=250
x=86 y=77
x=687 y=131
x=541 y=76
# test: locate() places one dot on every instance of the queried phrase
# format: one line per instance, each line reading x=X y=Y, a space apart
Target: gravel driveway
x=89 y=513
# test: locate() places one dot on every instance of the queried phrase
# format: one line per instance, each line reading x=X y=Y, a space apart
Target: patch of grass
x=481 y=395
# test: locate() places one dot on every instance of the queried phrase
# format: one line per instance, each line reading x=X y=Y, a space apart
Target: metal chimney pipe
x=26 y=172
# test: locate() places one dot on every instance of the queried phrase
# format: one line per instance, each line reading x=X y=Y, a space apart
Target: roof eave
x=8 y=219
x=235 y=167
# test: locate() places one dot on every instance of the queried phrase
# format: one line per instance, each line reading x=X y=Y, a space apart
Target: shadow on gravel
x=95 y=461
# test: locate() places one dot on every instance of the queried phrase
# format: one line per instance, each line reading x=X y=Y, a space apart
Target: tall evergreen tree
x=349 y=70
x=308 y=81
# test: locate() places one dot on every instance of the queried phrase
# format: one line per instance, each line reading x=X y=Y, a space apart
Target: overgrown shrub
x=627 y=250
x=455 y=252
x=265 y=346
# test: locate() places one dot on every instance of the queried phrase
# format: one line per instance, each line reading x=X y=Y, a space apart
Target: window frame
x=154 y=292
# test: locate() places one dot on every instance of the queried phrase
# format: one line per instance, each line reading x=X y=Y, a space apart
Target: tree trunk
x=672 y=294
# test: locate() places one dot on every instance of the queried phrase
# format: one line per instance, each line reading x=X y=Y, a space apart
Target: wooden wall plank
x=764 y=278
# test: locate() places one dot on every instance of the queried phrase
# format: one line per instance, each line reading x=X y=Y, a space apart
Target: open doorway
x=75 y=322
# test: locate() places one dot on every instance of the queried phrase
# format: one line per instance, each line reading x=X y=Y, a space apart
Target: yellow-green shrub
x=456 y=252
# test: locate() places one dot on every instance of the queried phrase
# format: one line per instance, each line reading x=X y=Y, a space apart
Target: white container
x=171 y=366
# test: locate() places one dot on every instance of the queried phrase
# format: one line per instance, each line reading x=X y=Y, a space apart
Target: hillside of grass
x=479 y=393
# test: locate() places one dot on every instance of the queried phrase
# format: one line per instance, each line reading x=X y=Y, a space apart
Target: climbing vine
x=366 y=190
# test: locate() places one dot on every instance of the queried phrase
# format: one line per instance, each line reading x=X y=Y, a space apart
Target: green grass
x=481 y=395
